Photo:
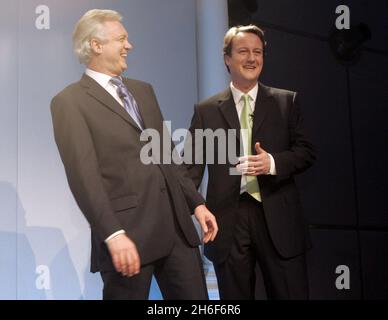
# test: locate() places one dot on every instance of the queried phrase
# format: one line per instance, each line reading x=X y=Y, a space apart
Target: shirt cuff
x=272 y=168
x=114 y=235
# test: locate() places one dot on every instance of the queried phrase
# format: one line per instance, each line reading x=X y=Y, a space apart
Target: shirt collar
x=237 y=94
x=101 y=78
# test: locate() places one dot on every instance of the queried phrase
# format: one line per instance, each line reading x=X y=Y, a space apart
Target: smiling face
x=245 y=61
x=110 y=54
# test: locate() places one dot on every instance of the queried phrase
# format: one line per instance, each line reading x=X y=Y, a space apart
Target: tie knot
x=117 y=81
x=245 y=98
x=247 y=106
x=121 y=88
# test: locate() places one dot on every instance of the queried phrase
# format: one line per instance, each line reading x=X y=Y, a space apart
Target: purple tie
x=128 y=100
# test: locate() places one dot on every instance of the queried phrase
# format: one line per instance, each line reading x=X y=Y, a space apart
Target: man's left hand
x=207 y=221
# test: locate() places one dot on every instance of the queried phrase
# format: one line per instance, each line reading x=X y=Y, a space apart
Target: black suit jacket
x=278 y=126
x=100 y=147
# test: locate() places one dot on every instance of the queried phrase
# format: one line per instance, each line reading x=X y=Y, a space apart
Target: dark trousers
x=180 y=275
x=252 y=252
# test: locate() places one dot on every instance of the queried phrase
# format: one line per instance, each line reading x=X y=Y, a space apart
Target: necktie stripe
x=129 y=101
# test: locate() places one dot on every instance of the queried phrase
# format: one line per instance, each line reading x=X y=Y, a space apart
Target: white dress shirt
x=237 y=94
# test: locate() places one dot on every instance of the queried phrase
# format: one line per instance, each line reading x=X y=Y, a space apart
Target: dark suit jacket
x=100 y=146
x=278 y=126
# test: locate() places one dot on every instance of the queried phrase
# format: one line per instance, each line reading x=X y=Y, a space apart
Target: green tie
x=246 y=122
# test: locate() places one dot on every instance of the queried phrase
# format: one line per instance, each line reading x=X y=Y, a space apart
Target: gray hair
x=91 y=26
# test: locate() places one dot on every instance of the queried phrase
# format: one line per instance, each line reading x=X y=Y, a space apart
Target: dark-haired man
x=259 y=212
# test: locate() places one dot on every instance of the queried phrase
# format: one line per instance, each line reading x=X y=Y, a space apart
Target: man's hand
x=255 y=165
x=124 y=254
x=207 y=221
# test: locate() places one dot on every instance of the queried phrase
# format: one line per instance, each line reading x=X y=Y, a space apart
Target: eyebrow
x=246 y=48
x=122 y=36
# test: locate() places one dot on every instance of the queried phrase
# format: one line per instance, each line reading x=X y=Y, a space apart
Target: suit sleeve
x=78 y=154
x=194 y=151
x=301 y=154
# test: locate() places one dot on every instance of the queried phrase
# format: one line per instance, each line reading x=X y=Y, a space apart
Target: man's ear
x=96 y=46
x=227 y=60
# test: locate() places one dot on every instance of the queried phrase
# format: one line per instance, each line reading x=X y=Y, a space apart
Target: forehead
x=247 y=39
x=114 y=29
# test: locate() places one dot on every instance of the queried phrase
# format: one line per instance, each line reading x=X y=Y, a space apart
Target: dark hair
x=232 y=33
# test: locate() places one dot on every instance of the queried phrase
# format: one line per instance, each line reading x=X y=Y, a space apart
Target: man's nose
x=251 y=56
x=128 y=45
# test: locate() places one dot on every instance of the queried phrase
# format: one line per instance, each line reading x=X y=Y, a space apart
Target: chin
x=252 y=79
x=122 y=69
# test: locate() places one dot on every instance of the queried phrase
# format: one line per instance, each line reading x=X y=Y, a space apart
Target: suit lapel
x=227 y=108
x=263 y=104
x=99 y=93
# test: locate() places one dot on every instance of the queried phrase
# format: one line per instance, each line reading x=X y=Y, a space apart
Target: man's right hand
x=124 y=254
